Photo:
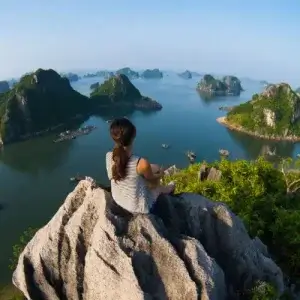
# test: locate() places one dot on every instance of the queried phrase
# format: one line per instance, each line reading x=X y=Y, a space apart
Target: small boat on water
x=76 y=178
x=271 y=153
x=224 y=152
x=191 y=156
x=165 y=146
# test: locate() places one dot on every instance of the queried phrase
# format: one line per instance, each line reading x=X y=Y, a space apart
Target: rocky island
x=228 y=86
x=105 y=74
x=4 y=86
x=119 y=91
x=273 y=114
x=128 y=72
x=94 y=85
x=152 y=74
x=43 y=101
x=297 y=90
x=186 y=75
x=71 y=77
x=36 y=103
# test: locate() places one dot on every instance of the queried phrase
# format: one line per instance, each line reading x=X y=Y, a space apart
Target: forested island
x=273 y=114
x=152 y=74
x=186 y=74
x=105 y=74
x=227 y=86
x=119 y=91
x=42 y=101
x=128 y=72
x=71 y=77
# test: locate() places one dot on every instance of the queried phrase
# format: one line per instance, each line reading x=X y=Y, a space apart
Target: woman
x=134 y=182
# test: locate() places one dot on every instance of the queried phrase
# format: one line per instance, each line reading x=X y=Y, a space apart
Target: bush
x=257 y=192
x=19 y=247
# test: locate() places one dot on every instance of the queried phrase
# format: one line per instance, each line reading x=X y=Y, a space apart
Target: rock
x=186 y=74
x=119 y=91
x=4 y=86
x=152 y=74
x=207 y=173
x=105 y=74
x=228 y=86
x=190 y=248
x=171 y=170
x=94 y=85
x=129 y=73
x=275 y=113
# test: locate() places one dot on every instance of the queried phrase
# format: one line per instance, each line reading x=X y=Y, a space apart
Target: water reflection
x=273 y=150
x=208 y=98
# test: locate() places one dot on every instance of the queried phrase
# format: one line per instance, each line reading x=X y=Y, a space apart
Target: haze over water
x=34 y=175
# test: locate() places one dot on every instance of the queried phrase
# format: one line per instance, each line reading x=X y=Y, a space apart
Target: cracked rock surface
x=190 y=248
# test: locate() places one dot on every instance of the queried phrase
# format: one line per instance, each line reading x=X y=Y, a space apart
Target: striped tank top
x=132 y=192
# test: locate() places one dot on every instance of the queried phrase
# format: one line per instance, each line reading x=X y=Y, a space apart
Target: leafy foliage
x=280 y=101
x=257 y=192
x=19 y=247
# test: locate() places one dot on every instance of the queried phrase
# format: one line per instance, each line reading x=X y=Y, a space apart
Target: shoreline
x=223 y=121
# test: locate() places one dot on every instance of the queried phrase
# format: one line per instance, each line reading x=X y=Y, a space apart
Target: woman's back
x=131 y=192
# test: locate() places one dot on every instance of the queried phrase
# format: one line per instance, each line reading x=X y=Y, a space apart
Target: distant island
x=264 y=82
x=228 y=86
x=119 y=91
x=186 y=75
x=274 y=114
x=71 y=77
x=195 y=74
x=105 y=74
x=43 y=101
x=94 y=85
x=152 y=74
x=4 y=86
x=298 y=90
x=128 y=72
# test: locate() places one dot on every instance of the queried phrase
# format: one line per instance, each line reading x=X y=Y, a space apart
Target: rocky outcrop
x=186 y=75
x=128 y=72
x=105 y=74
x=152 y=74
x=228 y=86
x=4 y=86
x=273 y=114
x=189 y=248
x=119 y=91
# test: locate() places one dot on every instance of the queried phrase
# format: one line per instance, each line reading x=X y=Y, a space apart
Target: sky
x=258 y=38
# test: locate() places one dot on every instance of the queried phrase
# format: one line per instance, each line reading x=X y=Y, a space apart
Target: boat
x=165 y=146
x=271 y=153
x=191 y=156
x=224 y=152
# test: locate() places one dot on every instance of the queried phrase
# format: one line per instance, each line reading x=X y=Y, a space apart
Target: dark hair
x=122 y=132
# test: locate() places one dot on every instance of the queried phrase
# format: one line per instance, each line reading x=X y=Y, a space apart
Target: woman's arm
x=144 y=169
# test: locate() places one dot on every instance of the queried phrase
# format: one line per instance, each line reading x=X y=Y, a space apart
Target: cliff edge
x=191 y=248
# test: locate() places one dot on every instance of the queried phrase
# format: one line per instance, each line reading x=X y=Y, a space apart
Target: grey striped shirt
x=132 y=192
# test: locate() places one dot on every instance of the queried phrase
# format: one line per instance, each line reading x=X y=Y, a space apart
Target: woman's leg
x=156 y=187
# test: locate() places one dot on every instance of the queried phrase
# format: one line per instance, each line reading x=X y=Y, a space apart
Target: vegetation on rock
x=119 y=90
x=128 y=72
x=4 y=86
x=152 y=74
x=273 y=113
x=40 y=100
x=258 y=193
x=229 y=85
x=186 y=74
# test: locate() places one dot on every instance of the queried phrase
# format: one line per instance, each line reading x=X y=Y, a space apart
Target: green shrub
x=257 y=192
x=19 y=247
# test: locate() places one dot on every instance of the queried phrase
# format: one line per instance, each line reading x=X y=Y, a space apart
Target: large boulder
x=189 y=248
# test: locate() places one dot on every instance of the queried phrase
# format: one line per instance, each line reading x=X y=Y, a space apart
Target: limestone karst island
x=149 y=151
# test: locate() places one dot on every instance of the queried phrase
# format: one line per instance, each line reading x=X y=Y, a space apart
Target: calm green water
x=34 y=175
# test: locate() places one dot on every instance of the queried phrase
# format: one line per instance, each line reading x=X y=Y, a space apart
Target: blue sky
x=259 y=39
